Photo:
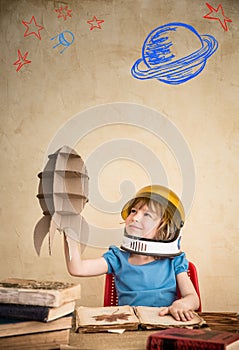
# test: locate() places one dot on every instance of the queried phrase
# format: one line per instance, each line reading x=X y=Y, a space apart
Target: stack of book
x=36 y=314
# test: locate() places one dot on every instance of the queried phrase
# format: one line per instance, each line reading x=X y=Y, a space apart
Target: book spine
x=40 y=341
x=177 y=344
x=24 y=312
x=198 y=345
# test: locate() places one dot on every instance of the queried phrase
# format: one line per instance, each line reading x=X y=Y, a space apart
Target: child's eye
x=148 y=214
x=133 y=211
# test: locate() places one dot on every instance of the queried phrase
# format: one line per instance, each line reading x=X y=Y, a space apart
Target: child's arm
x=181 y=309
x=78 y=267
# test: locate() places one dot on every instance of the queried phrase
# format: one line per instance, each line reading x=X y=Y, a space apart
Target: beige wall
x=38 y=99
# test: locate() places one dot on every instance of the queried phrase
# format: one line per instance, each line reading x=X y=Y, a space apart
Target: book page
x=150 y=316
x=233 y=346
x=106 y=317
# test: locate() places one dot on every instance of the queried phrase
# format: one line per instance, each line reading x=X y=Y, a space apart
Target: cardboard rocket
x=62 y=194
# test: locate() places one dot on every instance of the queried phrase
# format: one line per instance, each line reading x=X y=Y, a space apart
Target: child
x=149 y=266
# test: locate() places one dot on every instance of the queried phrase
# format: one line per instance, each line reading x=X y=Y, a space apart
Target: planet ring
x=209 y=46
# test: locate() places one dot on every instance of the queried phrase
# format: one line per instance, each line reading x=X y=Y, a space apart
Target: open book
x=100 y=319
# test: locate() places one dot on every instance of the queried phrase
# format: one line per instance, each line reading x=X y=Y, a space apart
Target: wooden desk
x=130 y=340
x=136 y=340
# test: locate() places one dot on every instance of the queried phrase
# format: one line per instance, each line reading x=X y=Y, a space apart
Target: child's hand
x=178 y=310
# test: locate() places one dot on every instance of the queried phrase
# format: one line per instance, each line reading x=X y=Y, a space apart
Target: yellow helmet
x=162 y=195
x=170 y=202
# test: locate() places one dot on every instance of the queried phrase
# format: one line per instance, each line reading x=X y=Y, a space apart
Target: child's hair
x=166 y=228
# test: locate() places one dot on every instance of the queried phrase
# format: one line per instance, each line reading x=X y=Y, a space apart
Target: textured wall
x=37 y=98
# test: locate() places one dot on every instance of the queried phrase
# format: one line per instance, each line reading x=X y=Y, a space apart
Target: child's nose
x=138 y=216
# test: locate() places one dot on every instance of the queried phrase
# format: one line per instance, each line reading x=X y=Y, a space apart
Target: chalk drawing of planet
x=174 y=53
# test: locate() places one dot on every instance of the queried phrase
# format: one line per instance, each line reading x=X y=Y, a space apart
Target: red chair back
x=111 y=299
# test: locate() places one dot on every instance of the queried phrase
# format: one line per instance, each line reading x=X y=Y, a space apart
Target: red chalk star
x=95 y=23
x=32 y=28
x=64 y=12
x=220 y=16
x=21 y=60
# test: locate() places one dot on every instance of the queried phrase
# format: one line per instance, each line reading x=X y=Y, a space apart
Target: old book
x=36 y=341
x=193 y=339
x=100 y=319
x=42 y=293
x=222 y=321
x=13 y=327
x=35 y=312
x=149 y=319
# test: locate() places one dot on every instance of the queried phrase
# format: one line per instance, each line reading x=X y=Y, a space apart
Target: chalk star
x=95 y=23
x=64 y=12
x=34 y=29
x=21 y=60
x=220 y=16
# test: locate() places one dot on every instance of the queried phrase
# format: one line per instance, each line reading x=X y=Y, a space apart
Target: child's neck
x=137 y=259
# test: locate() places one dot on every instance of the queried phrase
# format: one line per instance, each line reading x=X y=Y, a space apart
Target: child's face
x=142 y=222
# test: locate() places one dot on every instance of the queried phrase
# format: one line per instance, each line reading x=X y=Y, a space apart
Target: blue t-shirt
x=151 y=284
